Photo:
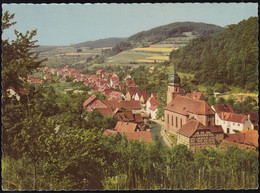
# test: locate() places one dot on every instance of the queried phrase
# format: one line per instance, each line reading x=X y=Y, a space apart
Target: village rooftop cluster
x=187 y=115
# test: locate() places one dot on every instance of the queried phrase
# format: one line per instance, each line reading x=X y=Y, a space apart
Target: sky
x=66 y=24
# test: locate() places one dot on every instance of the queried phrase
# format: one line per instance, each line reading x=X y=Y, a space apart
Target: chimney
x=248 y=116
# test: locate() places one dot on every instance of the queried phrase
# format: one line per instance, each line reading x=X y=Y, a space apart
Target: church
x=181 y=109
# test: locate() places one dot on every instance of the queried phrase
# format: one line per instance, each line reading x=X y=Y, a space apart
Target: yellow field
x=75 y=54
x=154 y=49
x=158 y=58
x=145 y=61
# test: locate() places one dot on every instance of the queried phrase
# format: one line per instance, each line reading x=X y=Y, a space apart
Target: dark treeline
x=176 y=29
x=229 y=57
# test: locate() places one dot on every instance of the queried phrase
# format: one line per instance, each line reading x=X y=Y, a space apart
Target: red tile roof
x=89 y=100
x=99 y=71
x=138 y=118
x=233 y=117
x=105 y=111
x=130 y=83
x=125 y=127
x=196 y=95
x=115 y=79
x=110 y=132
x=250 y=137
x=216 y=129
x=125 y=116
x=183 y=105
x=132 y=90
x=153 y=108
x=154 y=102
x=131 y=104
x=190 y=127
x=114 y=104
x=141 y=135
x=48 y=77
x=222 y=108
x=144 y=94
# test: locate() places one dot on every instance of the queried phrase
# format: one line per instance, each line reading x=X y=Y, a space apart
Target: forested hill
x=229 y=57
x=174 y=30
x=107 y=42
x=155 y=35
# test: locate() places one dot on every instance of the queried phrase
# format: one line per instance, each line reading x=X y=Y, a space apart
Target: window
x=168 y=118
x=238 y=124
x=177 y=122
x=209 y=123
x=227 y=130
x=172 y=120
x=181 y=122
x=233 y=123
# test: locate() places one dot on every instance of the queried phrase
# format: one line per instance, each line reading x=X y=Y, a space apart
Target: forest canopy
x=229 y=57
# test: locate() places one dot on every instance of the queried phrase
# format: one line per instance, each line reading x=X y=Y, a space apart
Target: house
x=135 y=106
x=130 y=92
x=247 y=140
x=218 y=109
x=121 y=86
x=114 y=104
x=196 y=135
x=105 y=111
x=126 y=127
x=47 y=77
x=128 y=116
x=196 y=95
x=130 y=83
x=93 y=103
x=128 y=77
x=114 y=81
x=100 y=73
x=115 y=95
x=152 y=107
x=253 y=117
x=144 y=136
x=114 y=75
x=230 y=121
x=142 y=96
x=35 y=80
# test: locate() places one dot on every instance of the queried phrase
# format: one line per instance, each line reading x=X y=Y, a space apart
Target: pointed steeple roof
x=174 y=79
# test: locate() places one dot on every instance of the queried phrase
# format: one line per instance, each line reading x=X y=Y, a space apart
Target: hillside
x=107 y=42
x=229 y=57
x=176 y=29
x=166 y=34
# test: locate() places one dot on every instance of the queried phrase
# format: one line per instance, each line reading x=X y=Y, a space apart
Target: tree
x=17 y=58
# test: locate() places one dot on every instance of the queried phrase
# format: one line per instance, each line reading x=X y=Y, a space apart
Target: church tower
x=173 y=86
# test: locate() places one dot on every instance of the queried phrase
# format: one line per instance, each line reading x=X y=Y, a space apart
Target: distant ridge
x=176 y=29
x=107 y=42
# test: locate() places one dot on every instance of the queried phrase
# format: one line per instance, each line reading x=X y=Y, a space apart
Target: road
x=157 y=129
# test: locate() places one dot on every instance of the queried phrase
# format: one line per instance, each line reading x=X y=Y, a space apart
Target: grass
x=154 y=49
x=128 y=56
x=172 y=137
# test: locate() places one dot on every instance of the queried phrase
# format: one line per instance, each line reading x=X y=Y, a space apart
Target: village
x=188 y=119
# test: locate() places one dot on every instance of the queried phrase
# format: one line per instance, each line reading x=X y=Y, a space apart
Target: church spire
x=174 y=79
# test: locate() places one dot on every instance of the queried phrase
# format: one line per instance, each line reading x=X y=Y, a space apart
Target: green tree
x=17 y=58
